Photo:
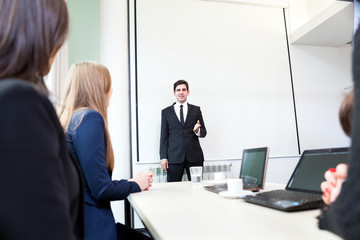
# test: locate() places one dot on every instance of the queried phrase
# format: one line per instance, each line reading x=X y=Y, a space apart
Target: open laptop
x=252 y=171
x=303 y=191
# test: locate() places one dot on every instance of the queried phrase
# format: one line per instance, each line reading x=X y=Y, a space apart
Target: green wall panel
x=84 y=30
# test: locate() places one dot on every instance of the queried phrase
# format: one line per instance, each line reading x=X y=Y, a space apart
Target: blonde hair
x=87 y=86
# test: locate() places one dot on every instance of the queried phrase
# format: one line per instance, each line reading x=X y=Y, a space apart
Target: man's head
x=181 y=90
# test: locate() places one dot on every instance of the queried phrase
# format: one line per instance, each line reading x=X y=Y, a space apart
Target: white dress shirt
x=177 y=109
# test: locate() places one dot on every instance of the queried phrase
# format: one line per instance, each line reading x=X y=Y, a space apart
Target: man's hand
x=164 y=164
x=197 y=127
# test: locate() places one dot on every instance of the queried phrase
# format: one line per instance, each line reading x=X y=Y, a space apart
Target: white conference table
x=172 y=211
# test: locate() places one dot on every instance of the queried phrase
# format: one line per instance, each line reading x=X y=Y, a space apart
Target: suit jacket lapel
x=190 y=108
x=174 y=114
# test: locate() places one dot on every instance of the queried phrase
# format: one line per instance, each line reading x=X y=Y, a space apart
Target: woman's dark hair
x=179 y=82
x=31 y=32
x=346 y=113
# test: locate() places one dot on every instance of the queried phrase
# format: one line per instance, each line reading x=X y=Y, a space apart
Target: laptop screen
x=309 y=172
x=253 y=165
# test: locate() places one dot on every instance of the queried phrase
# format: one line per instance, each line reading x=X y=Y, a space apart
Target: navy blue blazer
x=41 y=191
x=177 y=141
x=87 y=142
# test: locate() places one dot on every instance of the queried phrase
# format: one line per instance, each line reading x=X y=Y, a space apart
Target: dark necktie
x=181 y=115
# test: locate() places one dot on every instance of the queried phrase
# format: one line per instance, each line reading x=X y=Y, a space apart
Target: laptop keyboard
x=287 y=200
x=301 y=197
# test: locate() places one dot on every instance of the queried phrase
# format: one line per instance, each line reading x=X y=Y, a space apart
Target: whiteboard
x=236 y=62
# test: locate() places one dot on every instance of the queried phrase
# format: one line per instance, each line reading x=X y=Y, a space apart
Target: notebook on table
x=303 y=190
x=252 y=170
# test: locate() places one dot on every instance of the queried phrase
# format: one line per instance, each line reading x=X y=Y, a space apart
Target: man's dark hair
x=179 y=82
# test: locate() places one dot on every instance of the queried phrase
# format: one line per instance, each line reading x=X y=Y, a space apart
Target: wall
x=84 y=30
x=239 y=71
x=300 y=11
x=314 y=7
x=55 y=81
x=113 y=54
x=237 y=68
x=93 y=36
x=322 y=77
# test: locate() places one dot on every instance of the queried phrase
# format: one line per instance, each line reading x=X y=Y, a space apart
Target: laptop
x=252 y=170
x=303 y=191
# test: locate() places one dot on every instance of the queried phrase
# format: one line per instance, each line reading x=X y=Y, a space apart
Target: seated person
x=83 y=114
x=341 y=190
x=41 y=190
x=336 y=176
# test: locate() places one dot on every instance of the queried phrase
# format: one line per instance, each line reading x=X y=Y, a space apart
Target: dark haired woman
x=41 y=190
x=341 y=190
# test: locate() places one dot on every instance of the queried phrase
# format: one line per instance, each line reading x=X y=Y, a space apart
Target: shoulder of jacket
x=168 y=108
x=92 y=114
x=87 y=115
x=16 y=86
x=18 y=90
x=193 y=106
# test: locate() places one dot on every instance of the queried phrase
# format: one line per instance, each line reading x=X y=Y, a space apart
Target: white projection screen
x=235 y=59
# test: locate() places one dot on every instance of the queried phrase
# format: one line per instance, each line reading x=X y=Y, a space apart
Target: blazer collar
x=190 y=108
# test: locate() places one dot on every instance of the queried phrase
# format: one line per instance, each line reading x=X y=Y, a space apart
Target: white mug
x=219 y=177
x=235 y=186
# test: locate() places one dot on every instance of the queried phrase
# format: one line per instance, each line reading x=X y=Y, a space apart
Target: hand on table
x=144 y=180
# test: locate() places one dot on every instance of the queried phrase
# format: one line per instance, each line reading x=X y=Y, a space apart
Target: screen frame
x=308 y=152
x=265 y=163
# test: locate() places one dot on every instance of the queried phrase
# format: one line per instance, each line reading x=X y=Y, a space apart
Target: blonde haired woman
x=83 y=114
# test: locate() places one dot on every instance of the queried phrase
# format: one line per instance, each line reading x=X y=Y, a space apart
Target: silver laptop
x=252 y=170
x=303 y=191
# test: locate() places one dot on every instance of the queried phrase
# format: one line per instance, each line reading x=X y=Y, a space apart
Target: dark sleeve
x=164 y=136
x=343 y=216
x=90 y=144
x=203 y=131
x=34 y=198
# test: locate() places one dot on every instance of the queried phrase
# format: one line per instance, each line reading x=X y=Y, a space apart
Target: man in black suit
x=181 y=126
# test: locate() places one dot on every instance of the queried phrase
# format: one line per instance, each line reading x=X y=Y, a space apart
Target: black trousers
x=127 y=233
x=175 y=171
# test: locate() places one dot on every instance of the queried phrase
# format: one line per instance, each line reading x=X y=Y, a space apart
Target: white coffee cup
x=219 y=177
x=235 y=186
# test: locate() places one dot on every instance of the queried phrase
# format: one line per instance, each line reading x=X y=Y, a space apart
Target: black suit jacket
x=41 y=189
x=178 y=141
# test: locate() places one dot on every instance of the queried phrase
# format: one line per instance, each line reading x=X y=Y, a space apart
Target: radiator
x=209 y=169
